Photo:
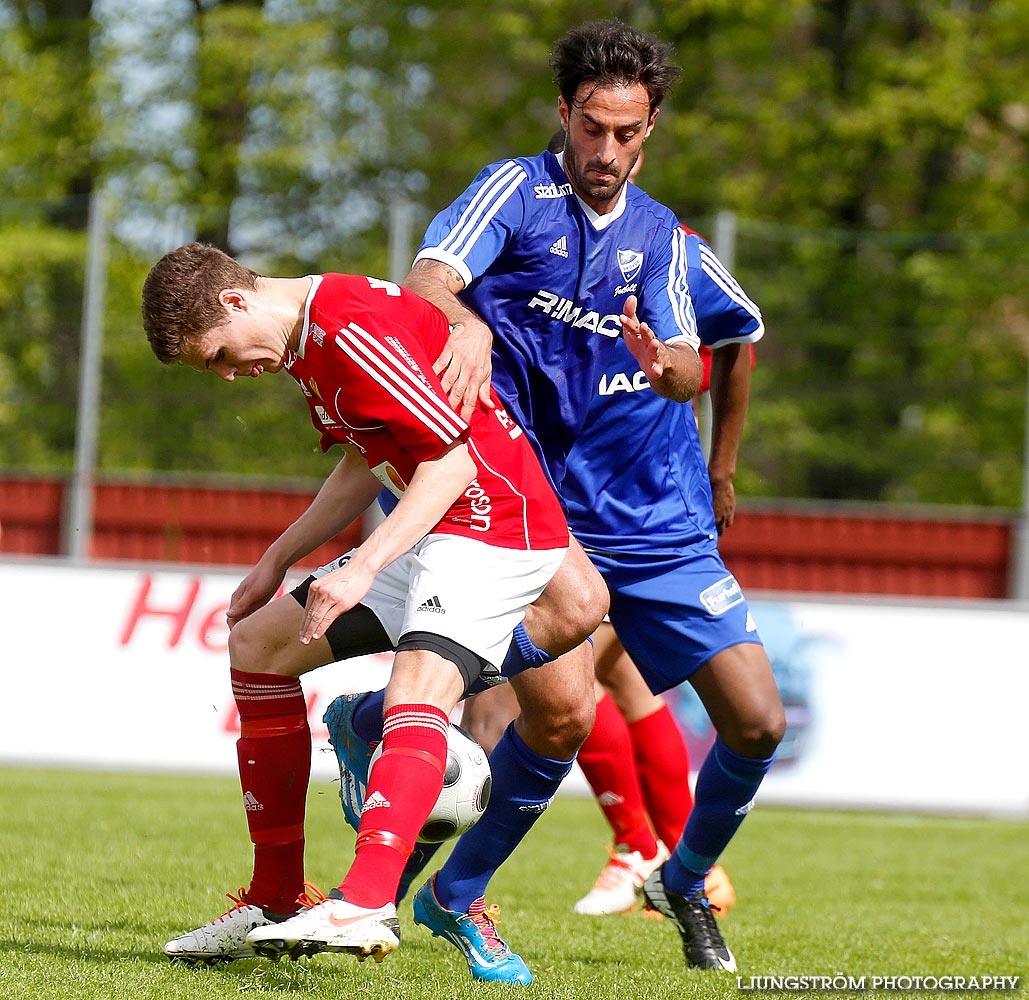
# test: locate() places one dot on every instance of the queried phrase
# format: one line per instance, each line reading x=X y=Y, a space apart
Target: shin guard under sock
x=274 y=755
x=663 y=768
x=403 y=786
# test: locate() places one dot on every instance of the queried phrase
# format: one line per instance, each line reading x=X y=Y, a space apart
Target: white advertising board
x=890 y=705
x=128 y=668
x=895 y=705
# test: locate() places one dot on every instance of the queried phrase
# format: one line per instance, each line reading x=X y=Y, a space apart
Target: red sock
x=607 y=763
x=274 y=752
x=402 y=789
x=663 y=766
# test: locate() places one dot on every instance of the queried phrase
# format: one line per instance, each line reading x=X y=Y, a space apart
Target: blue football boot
x=352 y=753
x=476 y=937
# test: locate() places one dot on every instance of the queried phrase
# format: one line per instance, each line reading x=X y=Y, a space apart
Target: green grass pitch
x=98 y=870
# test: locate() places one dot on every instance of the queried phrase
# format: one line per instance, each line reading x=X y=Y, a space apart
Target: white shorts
x=461 y=588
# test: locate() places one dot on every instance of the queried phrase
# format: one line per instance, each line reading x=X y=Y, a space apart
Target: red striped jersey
x=364 y=364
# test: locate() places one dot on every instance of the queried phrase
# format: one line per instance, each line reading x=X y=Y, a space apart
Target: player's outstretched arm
x=347 y=492
x=674 y=370
x=465 y=367
x=434 y=487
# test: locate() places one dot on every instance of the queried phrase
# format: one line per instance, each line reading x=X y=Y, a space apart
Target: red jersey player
x=474 y=538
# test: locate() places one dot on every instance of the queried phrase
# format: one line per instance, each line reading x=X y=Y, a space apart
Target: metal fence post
x=78 y=522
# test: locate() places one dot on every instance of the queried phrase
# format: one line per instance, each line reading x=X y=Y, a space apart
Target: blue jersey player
x=641 y=504
x=548 y=268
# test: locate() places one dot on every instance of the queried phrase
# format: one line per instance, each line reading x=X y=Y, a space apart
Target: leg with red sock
x=663 y=766
x=606 y=761
x=359 y=916
x=274 y=755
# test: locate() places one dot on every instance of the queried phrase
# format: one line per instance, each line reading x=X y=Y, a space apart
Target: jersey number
x=390 y=287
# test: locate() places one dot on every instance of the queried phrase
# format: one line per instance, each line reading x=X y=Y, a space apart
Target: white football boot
x=619 y=886
x=223 y=939
x=331 y=925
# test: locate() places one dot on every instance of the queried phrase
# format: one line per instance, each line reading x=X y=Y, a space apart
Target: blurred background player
x=473 y=505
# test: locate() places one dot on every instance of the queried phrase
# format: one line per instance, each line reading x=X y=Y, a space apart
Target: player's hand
x=723 y=496
x=650 y=353
x=465 y=367
x=331 y=596
x=259 y=586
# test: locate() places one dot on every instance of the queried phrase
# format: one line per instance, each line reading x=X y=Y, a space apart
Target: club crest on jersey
x=630 y=263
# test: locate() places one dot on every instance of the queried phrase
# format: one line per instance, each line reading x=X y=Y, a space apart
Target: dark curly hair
x=608 y=53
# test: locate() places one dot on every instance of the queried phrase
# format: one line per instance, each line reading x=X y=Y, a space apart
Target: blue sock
x=522 y=653
x=523 y=785
x=368 y=716
x=725 y=791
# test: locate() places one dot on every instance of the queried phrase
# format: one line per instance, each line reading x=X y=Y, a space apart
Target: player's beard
x=591 y=190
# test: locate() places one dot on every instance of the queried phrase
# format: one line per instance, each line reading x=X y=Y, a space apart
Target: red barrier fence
x=151 y=522
x=803 y=547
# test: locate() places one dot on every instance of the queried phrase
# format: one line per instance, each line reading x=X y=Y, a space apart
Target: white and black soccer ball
x=467 y=784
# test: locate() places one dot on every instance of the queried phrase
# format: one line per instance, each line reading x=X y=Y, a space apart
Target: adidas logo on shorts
x=432 y=604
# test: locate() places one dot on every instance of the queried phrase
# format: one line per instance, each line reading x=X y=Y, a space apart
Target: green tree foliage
x=47 y=162
x=875 y=155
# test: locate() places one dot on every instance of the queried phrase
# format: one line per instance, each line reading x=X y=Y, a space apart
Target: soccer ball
x=466 y=788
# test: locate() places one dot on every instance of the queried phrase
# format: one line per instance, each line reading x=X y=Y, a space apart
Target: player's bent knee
x=560 y=735
x=557 y=728
x=581 y=616
x=254 y=649
x=759 y=735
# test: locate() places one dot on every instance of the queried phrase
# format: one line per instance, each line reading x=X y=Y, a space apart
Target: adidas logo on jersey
x=560 y=248
x=251 y=804
x=375 y=801
x=432 y=604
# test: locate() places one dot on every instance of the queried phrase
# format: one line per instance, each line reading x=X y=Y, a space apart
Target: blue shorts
x=674 y=612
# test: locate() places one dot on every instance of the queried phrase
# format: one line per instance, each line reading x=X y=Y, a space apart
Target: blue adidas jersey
x=549 y=277
x=636 y=479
